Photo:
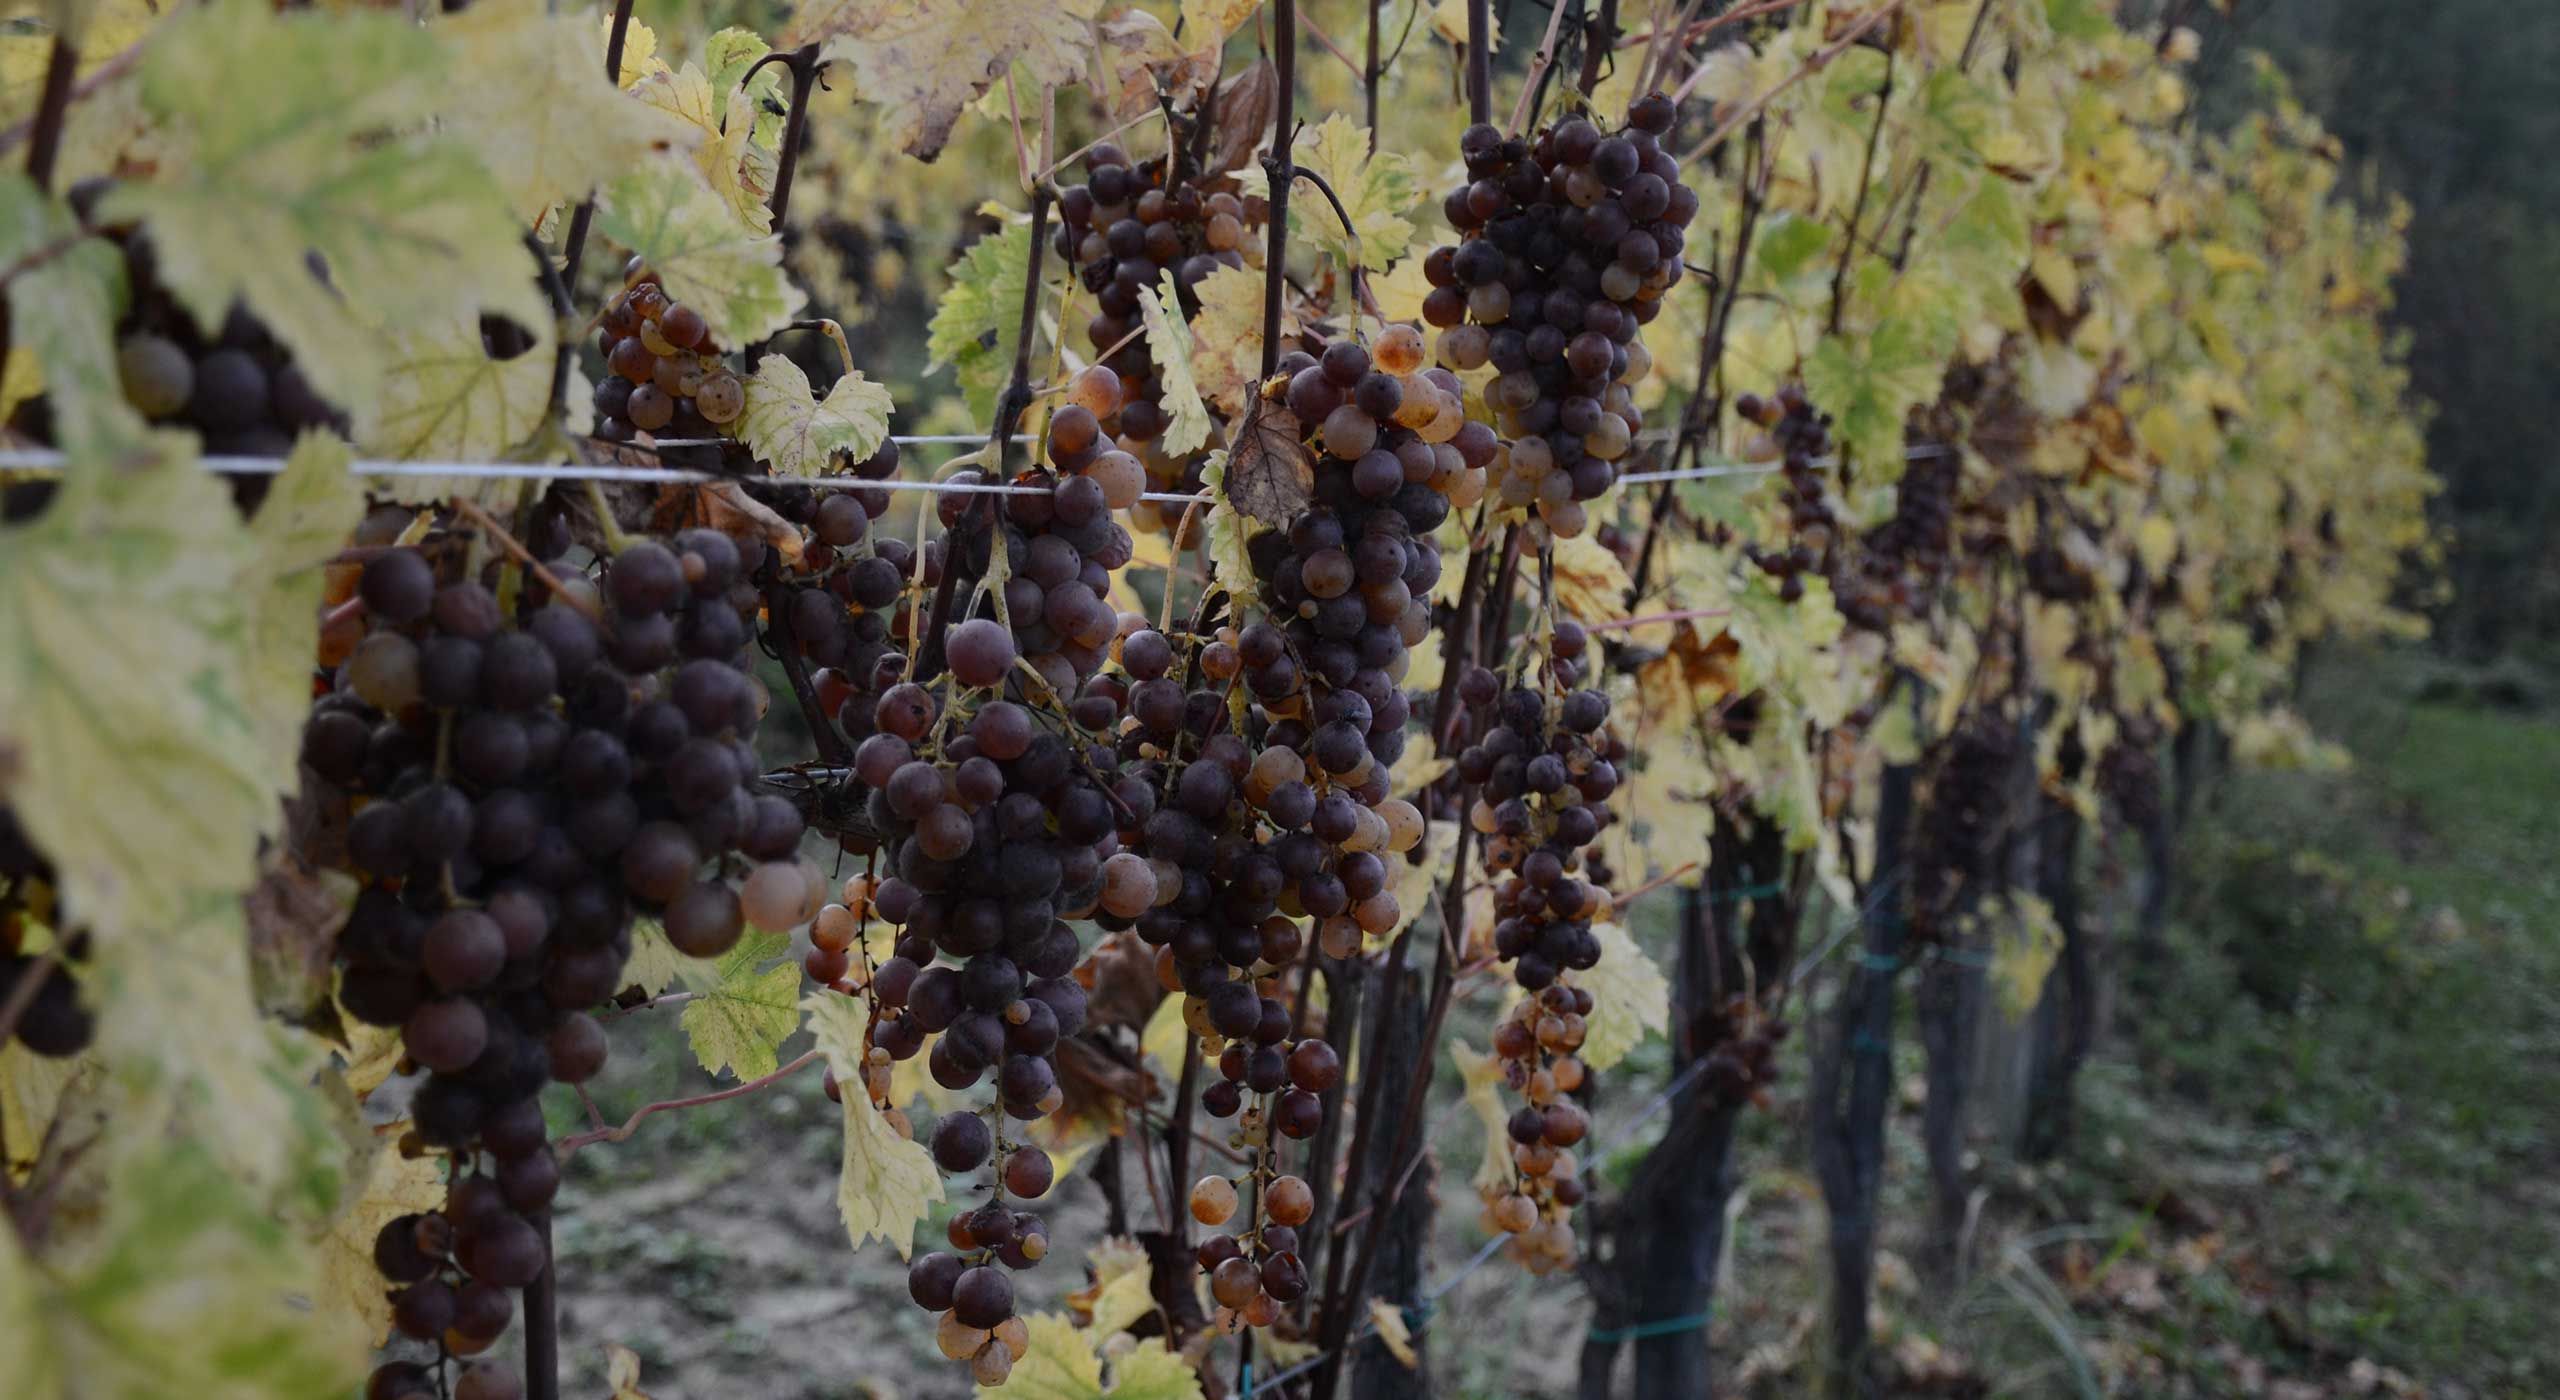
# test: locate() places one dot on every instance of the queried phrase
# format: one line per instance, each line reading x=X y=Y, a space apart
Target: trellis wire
x=45 y=459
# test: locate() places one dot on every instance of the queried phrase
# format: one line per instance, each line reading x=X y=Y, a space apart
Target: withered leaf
x=1270 y=474
x=1246 y=104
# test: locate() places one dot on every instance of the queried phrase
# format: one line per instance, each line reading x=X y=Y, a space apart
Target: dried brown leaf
x=1245 y=106
x=1270 y=474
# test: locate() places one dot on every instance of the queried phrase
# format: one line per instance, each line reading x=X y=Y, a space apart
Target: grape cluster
x=1802 y=434
x=2129 y=776
x=233 y=383
x=1568 y=243
x=1962 y=835
x=1124 y=229
x=1903 y=558
x=1257 y=1271
x=1060 y=546
x=522 y=786
x=666 y=376
x=843 y=607
x=993 y=833
x=1543 y=770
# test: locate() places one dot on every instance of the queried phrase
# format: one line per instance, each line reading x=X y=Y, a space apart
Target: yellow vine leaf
x=529 y=95
x=1169 y=341
x=1591 y=582
x=1449 y=21
x=888 y=1182
x=1118 y=1295
x=1392 y=1332
x=255 y=171
x=1629 y=995
x=32 y=1086
x=1379 y=192
x=639 y=49
x=1230 y=563
x=706 y=258
x=723 y=126
x=1065 y=1363
x=1209 y=22
x=352 y=1294
x=1480 y=1074
x=447 y=400
x=924 y=61
x=742 y=1010
x=1226 y=361
x=1165 y=1036
x=181 y=1286
x=622 y=1372
x=798 y=433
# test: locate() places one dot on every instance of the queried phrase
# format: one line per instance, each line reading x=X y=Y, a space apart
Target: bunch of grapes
x=1124 y=229
x=1902 y=559
x=2129 y=776
x=1568 y=244
x=1802 y=435
x=233 y=383
x=1257 y=1271
x=1543 y=770
x=667 y=377
x=993 y=832
x=1060 y=547
x=522 y=786
x=1963 y=833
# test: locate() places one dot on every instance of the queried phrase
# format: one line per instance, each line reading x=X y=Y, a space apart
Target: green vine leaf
x=888 y=1182
x=1632 y=998
x=707 y=259
x=340 y=163
x=447 y=400
x=972 y=330
x=801 y=434
x=1065 y=1363
x=742 y=1010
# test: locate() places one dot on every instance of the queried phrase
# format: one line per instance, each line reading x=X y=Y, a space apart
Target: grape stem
x=99 y=77
x=631 y=1124
x=795 y=668
x=1599 y=40
x=61 y=63
x=574 y=248
x=1279 y=167
x=584 y=605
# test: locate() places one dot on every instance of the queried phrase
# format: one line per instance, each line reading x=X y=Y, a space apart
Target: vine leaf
x=351 y=1293
x=136 y=1312
x=742 y=1010
x=1591 y=581
x=729 y=54
x=1227 y=353
x=1378 y=190
x=1270 y=475
x=926 y=60
x=1637 y=997
x=1480 y=1075
x=737 y=165
x=447 y=399
x=1246 y=103
x=1065 y=1363
x=801 y=434
x=972 y=330
x=63 y=311
x=530 y=95
x=1393 y=1333
x=1118 y=1295
x=889 y=1182
x=1146 y=59
x=127 y=740
x=692 y=239
x=622 y=1372
x=291 y=197
x=1169 y=344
